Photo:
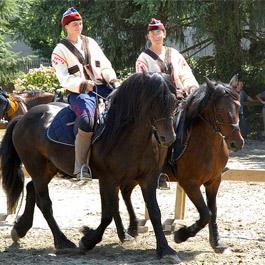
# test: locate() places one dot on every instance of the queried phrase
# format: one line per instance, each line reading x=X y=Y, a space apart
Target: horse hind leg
x=211 y=193
x=195 y=195
x=41 y=172
x=24 y=223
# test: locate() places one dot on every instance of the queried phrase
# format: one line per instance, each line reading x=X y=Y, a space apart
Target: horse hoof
x=219 y=247
x=171 y=259
x=181 y=235
x=14 y=235
x=83 y=247
x=128 y=241
x=168 y=256
x=71 y=251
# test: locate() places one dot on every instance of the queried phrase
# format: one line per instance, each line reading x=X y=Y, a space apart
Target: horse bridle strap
x=216 y=122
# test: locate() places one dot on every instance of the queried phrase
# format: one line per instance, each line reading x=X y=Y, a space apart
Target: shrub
x=42 y=78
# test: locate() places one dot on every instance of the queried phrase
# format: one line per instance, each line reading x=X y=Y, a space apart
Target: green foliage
x=42 y=78
x=10 y=62
x=254 y=77
x=203 y=67
x=120 y=28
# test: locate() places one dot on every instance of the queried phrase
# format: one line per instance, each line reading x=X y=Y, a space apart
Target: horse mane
x=197 y=101
x=135 y=100
x=32 y=98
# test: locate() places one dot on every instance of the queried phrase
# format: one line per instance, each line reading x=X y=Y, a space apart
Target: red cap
x=155 y=24
x=70 y=15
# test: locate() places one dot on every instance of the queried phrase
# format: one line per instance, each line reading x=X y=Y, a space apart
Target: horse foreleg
x=195 y=195
x=109 y=196
x=44 y=203
x=211 y=193
x=149 y=194
x=24 y=223
x=126 y=194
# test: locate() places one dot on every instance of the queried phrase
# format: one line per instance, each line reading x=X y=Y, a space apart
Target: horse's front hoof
x=181 y=235
x=219 y=247
x=128 y=241
x=168 y=256
x=71 y=251
x=133 y=232
x=14 y=235
x=86 y=242
x=85 y=245
x=65 y=247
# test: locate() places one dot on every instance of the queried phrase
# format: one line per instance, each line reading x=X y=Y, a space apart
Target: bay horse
x=212 y=122
x=18 y=103
x=131 y=148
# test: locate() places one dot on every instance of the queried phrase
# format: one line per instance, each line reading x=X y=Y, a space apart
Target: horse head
x=163 y=108
x=217 y=104
x=226 y=104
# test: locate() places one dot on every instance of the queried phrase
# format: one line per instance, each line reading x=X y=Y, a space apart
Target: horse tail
x=12 y=174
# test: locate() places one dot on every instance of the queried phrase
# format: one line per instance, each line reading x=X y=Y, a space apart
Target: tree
x=9 y=61
x=120 y=27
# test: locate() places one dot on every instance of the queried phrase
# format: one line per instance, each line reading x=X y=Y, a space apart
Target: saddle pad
x=62 y=129
x=179 y=146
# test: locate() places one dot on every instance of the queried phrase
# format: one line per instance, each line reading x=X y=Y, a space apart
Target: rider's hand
x=86 y=86
x=191 y=89
x=115 y=83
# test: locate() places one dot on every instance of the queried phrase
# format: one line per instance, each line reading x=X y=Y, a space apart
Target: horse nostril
x=233 y=145
x=162 y=139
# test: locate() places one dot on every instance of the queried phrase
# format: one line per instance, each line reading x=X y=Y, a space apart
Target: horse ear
x=209 y=83
x=234 y=81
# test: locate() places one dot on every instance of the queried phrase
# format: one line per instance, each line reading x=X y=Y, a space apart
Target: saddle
x=64 y=126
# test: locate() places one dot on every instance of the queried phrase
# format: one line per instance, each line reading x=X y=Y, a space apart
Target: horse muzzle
x=235 y=145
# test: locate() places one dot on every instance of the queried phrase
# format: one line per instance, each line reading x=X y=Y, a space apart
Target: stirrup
x=165 y=185
x=85 y=173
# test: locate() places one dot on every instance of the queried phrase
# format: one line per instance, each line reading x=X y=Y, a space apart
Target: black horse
x=131 y=149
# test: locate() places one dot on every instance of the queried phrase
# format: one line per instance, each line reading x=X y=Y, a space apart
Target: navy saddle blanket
x=63 y=127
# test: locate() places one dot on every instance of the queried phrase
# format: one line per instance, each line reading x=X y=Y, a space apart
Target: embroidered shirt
x=62 y=59
x=183 y=76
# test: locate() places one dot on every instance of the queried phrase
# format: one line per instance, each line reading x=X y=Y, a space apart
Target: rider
x=160 y=58
x=84 y=72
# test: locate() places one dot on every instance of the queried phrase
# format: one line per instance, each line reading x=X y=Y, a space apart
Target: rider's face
x=157 y=36
x=74 y=27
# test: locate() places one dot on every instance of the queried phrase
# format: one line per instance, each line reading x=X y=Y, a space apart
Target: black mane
x=136 y=100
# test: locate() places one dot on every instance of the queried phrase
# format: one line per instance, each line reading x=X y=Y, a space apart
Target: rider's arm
x=62 y=60
x=100 y=64
x=183 y=72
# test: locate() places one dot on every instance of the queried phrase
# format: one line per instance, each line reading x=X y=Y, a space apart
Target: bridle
x=154 y=128
x=216 y=123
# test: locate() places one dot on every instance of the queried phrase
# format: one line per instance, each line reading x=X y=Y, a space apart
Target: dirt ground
x=241 y=218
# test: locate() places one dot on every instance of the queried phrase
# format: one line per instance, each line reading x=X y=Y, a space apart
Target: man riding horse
x=85 y=72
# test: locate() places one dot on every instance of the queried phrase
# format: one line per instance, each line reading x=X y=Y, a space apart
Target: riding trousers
x=84 y=106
